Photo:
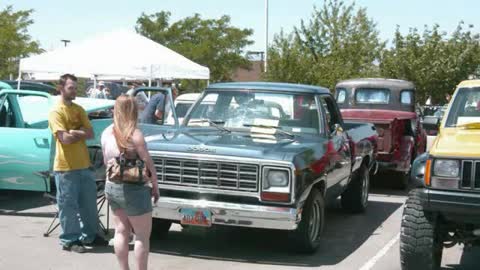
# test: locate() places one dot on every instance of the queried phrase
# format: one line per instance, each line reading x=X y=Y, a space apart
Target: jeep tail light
x=428 y=172
x=275 y=196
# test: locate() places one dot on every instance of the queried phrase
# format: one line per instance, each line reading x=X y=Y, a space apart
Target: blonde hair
x=125 y=115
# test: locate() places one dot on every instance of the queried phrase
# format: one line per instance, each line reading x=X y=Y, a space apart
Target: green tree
x=210 y=42
x=434 y=61
x=15 y=42
x=339 y=42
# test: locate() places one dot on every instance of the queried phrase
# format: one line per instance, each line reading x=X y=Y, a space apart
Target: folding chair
x=51 y=195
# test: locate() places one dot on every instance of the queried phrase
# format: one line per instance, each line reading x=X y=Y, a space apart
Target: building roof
x=270 y=86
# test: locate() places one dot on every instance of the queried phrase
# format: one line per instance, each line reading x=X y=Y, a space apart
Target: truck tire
x=307 y=236
x=421 y=244
x=160 y=227
x=355 y=197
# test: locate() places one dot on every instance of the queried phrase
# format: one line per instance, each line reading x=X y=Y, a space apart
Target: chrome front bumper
x=232 y=214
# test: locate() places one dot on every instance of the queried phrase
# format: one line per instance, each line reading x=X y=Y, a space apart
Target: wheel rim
x=314 y=224
x=365 y=187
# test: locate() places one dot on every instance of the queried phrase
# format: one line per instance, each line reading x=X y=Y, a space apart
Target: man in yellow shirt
x=75 y=181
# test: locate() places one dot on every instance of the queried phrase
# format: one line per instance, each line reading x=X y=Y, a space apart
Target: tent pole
x=19 y=76
x=151 y=75
x=94 y=82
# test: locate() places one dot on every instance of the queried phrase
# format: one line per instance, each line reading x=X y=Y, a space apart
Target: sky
x=55 y=20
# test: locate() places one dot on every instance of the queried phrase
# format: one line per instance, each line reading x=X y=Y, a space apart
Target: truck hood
x=238 y=144
x=457 y=142
x=376 y=116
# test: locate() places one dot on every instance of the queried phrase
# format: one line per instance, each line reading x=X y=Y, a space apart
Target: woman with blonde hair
x=130 y=202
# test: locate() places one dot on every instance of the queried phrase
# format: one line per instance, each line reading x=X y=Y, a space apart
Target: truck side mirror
x=337 y=129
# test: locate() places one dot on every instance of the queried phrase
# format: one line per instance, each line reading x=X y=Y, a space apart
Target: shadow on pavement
x=344 y=233
x=388 y=184
x=468 y=261
x=13 y=202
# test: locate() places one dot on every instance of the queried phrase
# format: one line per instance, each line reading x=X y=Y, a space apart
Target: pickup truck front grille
x=470 y=178
x=207 y=174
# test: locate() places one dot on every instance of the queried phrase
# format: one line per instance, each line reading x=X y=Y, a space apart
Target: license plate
x=196 y=217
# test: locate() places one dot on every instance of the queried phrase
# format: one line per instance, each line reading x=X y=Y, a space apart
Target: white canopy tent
x=117 y=55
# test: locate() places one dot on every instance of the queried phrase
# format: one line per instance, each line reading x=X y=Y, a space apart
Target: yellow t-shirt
x=73 y=156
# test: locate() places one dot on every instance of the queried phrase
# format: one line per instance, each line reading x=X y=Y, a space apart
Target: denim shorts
x=135 y=199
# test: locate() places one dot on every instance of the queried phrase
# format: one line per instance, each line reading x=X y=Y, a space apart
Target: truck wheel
x=160 y=227
x=421 y=244
x=307 y=235
x=355 y=198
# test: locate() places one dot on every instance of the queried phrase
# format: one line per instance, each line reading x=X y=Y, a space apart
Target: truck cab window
x=330 y=113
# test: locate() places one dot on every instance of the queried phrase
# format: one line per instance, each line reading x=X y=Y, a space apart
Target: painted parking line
x=370 y=263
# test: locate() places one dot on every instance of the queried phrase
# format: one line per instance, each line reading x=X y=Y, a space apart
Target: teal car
x=27 y=148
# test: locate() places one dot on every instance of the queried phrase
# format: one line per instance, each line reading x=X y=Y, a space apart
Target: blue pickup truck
x=262 y=155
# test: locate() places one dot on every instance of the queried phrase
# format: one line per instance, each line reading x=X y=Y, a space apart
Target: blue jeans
x=77 y=204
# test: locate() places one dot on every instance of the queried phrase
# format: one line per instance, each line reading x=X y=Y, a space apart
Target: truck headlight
x=446 y=168
x=276 y=184
x=275 y=178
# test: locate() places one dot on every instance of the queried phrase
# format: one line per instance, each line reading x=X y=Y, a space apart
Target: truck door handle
x=41 y=142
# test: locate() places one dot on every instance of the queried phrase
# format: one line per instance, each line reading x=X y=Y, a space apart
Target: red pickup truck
x=390 y=105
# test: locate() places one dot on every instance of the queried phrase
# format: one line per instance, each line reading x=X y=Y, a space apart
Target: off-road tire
x=421 y=246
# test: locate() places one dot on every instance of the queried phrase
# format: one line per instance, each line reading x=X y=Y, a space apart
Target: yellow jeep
x=444 y=208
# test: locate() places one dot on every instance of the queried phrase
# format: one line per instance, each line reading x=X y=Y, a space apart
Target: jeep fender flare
x=418 y=170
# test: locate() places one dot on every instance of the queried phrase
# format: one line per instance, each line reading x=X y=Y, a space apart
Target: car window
x=406 y=97
x=291 y=112
x=331 y=115
x=7 y=115
x=465 y=108
x=341 y=95
x=182 y=108
x=372 y=96
x=34 y=110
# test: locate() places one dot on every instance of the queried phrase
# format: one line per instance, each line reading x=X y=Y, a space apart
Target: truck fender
x=320 y=181
x=418 y=171
x=406 y=146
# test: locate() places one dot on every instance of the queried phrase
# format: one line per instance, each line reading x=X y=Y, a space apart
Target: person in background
x=97 y=92
x=447 y=98
x=130 y=202
x=107 y=93
x=75 y=181
x=154 y=111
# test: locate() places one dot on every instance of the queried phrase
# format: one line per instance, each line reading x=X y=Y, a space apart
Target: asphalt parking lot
x=366 y=241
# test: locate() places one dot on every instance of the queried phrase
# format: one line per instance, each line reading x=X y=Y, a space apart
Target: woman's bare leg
x=142 y=225
x=122 y=234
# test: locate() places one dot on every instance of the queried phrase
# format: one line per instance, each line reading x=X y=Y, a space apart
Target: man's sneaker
x=97 y=242
x=75 y=246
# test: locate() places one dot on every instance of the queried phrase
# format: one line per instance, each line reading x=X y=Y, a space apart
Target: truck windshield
x=249 y=110
x=465 y=108
x=372 y=96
